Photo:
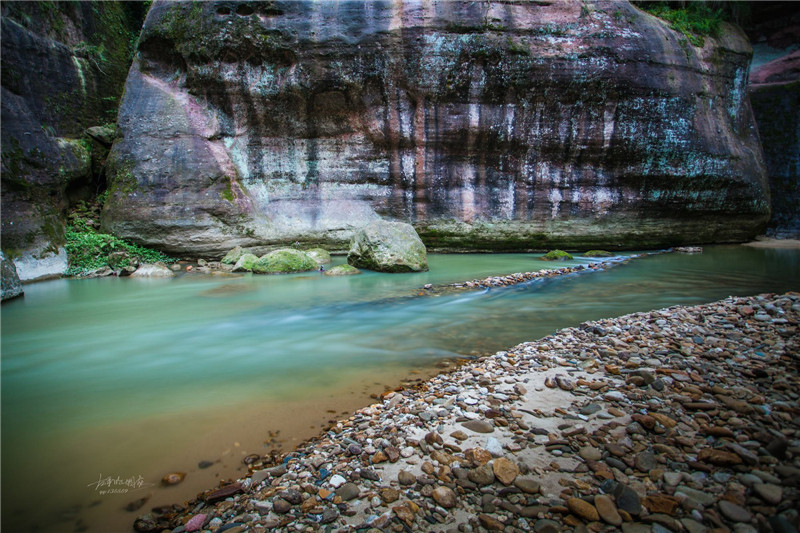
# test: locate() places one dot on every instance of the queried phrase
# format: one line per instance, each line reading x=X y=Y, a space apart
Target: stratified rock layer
x=488 y=126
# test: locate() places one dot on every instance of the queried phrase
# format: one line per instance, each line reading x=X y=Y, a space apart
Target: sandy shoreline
x=682 y=419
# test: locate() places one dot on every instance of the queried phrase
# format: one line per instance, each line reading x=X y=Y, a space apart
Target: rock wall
x=64 y=65
x=775 y=95
x=510 y=125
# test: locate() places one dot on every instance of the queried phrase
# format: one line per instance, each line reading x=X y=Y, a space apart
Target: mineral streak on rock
x=487 y=125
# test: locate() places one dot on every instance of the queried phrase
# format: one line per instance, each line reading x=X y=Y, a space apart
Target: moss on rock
x=245 y=263
x=233 y=256
x=557 y=255
x=597 y=253
x=343 y=270
x=320 y=255
x=284 y=261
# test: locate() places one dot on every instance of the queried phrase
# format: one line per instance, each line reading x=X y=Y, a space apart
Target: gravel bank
x=684 y=419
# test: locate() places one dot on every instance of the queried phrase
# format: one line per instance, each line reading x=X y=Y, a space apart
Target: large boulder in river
x=284 y=261
x=388 y=247
x=487 y=125
x=10 y=285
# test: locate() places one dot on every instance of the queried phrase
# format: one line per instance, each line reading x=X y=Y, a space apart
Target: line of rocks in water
x=683 y=419
x=524 y=277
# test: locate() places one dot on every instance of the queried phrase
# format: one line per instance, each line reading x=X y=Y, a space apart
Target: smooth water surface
x=138 y=378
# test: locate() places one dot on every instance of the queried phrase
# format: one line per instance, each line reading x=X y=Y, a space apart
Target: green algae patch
x=557 y=255
x=597 y=253
x=342 y=270
x=284 y=261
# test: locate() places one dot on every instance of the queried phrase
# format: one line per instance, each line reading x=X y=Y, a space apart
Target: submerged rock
x=284 y=261
x=342 y=270
x=388 y=247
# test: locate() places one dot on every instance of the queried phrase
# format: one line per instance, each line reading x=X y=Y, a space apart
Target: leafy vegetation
x=694 y=19
x=88 y=250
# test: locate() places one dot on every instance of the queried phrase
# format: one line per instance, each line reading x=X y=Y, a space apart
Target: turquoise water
x=142 y=377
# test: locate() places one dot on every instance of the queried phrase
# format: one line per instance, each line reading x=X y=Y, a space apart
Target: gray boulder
x=153 y=270
x=388 y=247
x=11 y=285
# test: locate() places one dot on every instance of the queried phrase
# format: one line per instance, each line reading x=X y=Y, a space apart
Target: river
x=133 y=379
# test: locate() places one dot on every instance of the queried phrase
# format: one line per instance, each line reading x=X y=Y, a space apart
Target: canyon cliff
x=64 y=65
x=487 y=125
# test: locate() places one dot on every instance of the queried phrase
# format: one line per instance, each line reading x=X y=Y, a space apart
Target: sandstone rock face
x=775 y=94
x=388 y=247
x=64 y=66
x=487 y=125
x=10 y=285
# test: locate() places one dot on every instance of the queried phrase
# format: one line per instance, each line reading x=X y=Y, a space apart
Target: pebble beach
x=683 y=419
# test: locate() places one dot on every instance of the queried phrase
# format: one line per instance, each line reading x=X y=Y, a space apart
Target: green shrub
x=694 y=20
x=88 y=250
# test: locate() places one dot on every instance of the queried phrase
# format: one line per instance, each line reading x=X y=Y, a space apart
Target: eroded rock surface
x=64 y=65
x=488 y=126
x=388 y=247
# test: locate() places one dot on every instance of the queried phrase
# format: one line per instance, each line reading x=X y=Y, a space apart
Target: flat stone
x=693 y=526
x=544 y=525
x=481 y=476
x=527 y=485
x=661 y=503
x=607 y=510
x=491 y=523
x=337 y=481
x=281 y=506
x=583 y=509
x=768 y=492
x=627 y=499
x=734 y=512
x=645 y=461
x=505 y=471
x=445 y=497
x=718 y=457
x=389 y=495
x=405 y=477
x=590 y=453
x=478 y=426
x=701 y=497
